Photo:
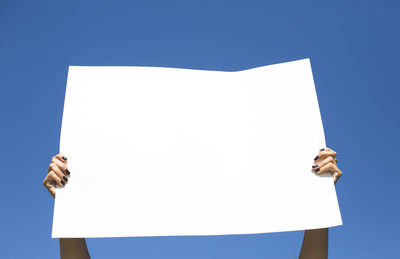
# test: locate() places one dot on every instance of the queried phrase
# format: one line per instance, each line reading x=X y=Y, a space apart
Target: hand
x=57 y=174
x=326 y=162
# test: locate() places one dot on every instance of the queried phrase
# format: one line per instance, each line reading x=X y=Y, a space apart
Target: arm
x=58 y=174
x=315 y=241
x=73 y=248
x=315 y=244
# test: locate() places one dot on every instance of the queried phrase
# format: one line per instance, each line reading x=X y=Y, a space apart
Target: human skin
x=58 y=174
x=315 y=241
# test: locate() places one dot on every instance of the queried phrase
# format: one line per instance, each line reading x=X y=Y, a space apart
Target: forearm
x=73 y=248
x=315 y=244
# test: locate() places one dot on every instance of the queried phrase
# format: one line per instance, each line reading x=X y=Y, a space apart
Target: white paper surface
x=167 y=151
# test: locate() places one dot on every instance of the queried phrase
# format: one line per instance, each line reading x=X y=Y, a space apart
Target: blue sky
x=354 y=51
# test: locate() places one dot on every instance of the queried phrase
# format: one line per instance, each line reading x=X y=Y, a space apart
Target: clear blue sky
x=354 y=51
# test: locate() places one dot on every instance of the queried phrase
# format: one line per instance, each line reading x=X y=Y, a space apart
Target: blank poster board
x=173 y=152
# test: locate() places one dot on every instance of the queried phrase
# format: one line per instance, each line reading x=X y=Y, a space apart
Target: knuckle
x=54 y=175
x=54 y=166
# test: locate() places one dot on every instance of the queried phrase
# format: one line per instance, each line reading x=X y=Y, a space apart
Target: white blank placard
x=168 y=151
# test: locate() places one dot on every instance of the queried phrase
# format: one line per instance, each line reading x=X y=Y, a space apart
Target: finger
x=327 y=168
x=63 y=167
x=61 y=157
x=50 y=184
x=336 y=176
x=54 y=168
x=323 y=162
x=324 y=153
x=326 y=148
x=54 y=177
x=49 y=181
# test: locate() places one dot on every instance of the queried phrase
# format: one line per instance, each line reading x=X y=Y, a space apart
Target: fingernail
x=317 y=170
x=67 y=172
x=316 y=158
x=64 y=158
x=314 y=166
x=65 y=178
x=62 y=182
x=322 y=149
